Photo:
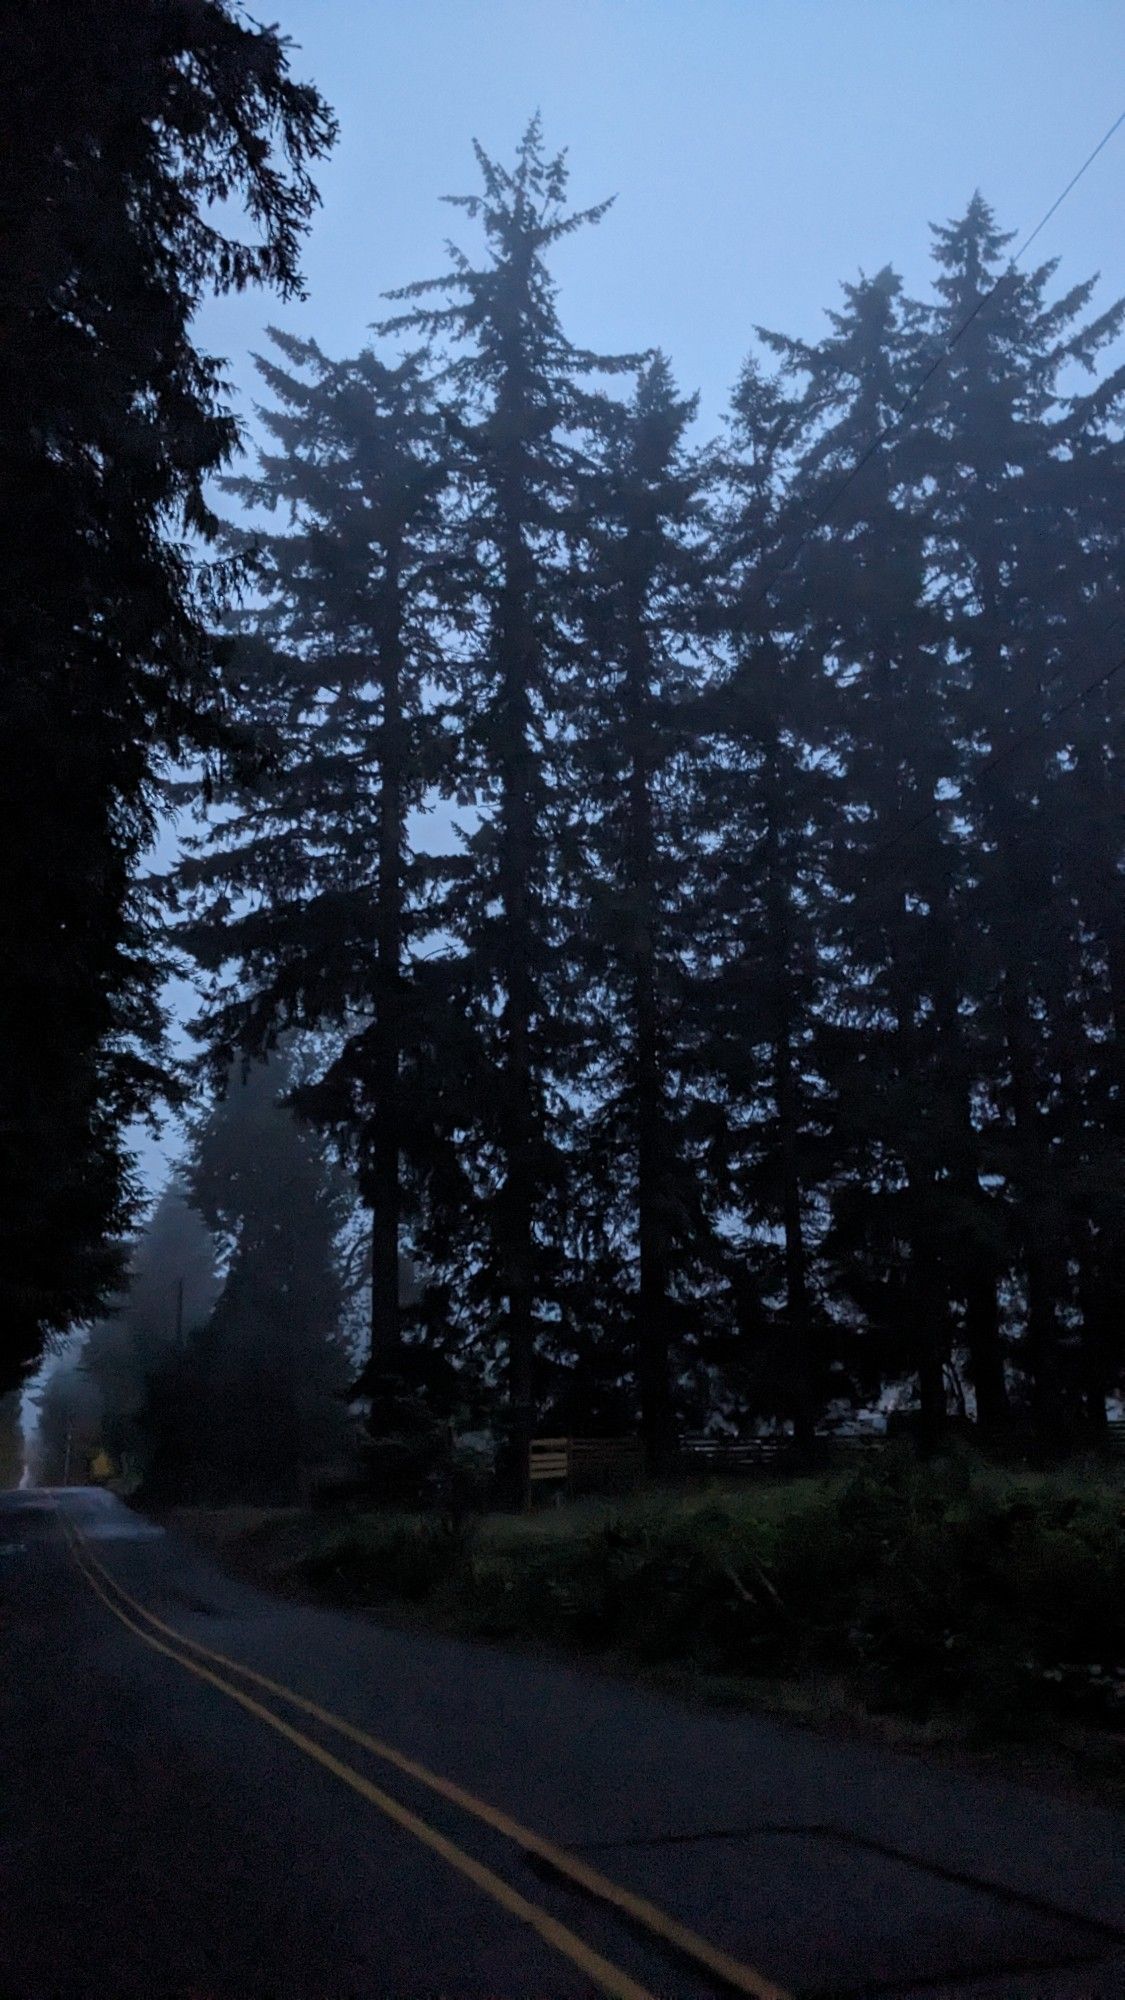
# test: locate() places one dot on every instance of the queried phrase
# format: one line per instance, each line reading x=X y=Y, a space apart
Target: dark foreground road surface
x=204 y=1792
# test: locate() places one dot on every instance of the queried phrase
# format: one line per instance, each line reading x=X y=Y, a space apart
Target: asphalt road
x=212 y=1795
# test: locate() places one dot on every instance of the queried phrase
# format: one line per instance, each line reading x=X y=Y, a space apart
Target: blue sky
x=761 y=151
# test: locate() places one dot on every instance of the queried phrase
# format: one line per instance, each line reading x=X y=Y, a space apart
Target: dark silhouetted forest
x=747 y=1038
x=678 y=879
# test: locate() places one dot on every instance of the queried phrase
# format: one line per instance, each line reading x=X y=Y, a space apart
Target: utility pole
x=66 y=1456
x=179 y=1310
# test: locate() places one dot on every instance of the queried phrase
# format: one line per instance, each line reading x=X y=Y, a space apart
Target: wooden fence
x=593 y=1465
x=586 y=1465
x=611 y=1465
x=699 y=1453
x=774 y=1452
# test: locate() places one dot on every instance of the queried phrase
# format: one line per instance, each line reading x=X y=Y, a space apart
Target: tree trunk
x=986 y=1354
x=787 y=1098
x=1038 y=1231
x=516 y=864
x=1096 y=1367
x=924 y=1286
x=653 y=1333
x=384 y=1184
x=982 y=1308
x=933 y=1414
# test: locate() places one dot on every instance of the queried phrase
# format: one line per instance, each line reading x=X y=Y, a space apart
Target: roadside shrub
x=380 y=1559
x=946 y=1586
x=936 y=1585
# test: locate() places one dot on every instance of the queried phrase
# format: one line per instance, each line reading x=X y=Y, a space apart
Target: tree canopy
x=135 y=137
x=754 y=1036
x=747 y=1046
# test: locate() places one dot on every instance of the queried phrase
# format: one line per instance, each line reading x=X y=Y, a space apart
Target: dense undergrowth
x=928 y=1589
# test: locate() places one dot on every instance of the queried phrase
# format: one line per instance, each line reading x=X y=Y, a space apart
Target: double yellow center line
x=730 y=1974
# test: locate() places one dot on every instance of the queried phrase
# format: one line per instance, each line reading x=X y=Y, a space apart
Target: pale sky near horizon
x=760 y=152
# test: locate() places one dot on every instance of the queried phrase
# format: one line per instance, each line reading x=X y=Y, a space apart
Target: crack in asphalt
x=1001 y=1892
x=944 y=1982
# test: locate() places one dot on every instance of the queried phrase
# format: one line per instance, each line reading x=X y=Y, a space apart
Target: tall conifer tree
x=521 y=411
x=640 y=662
x=1026 y=534
x=307 y=878
x=768 y=785
x=864 y=582
x=136 y=139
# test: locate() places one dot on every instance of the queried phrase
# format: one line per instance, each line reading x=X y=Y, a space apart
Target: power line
x=889 y=429
x=1072 y=183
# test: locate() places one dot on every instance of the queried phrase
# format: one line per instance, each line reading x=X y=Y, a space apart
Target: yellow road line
x=734 y=1972
x=610 y=1978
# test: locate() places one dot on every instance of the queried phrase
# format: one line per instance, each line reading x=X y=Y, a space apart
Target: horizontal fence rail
x=585 y=1464
x=733 y=1455
x=734 y=1452
x=609 y=1464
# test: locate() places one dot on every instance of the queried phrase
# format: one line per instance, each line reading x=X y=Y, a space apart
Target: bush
x=937 y=1585
x=380 y=1559
x=946 y=1586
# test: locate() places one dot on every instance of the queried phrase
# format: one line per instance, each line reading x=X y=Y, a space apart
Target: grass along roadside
x=944 y=1607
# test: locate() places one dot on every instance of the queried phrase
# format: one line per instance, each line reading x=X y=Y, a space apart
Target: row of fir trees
x=700 y=864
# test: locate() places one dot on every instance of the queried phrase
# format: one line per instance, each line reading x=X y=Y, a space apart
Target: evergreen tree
x=308 y=880
x=67 y=1429
x=129 y=132
x=171 y=1290
x=1026 y=538
x=942 y=1106
x=759 y=1044
x=769 y=801
x=520 y=414
x=640 y=662
x=896 y=1060
x=257 y=1393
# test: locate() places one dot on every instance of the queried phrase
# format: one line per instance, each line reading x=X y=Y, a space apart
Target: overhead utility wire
x=1100 y=680
x=889 y=429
